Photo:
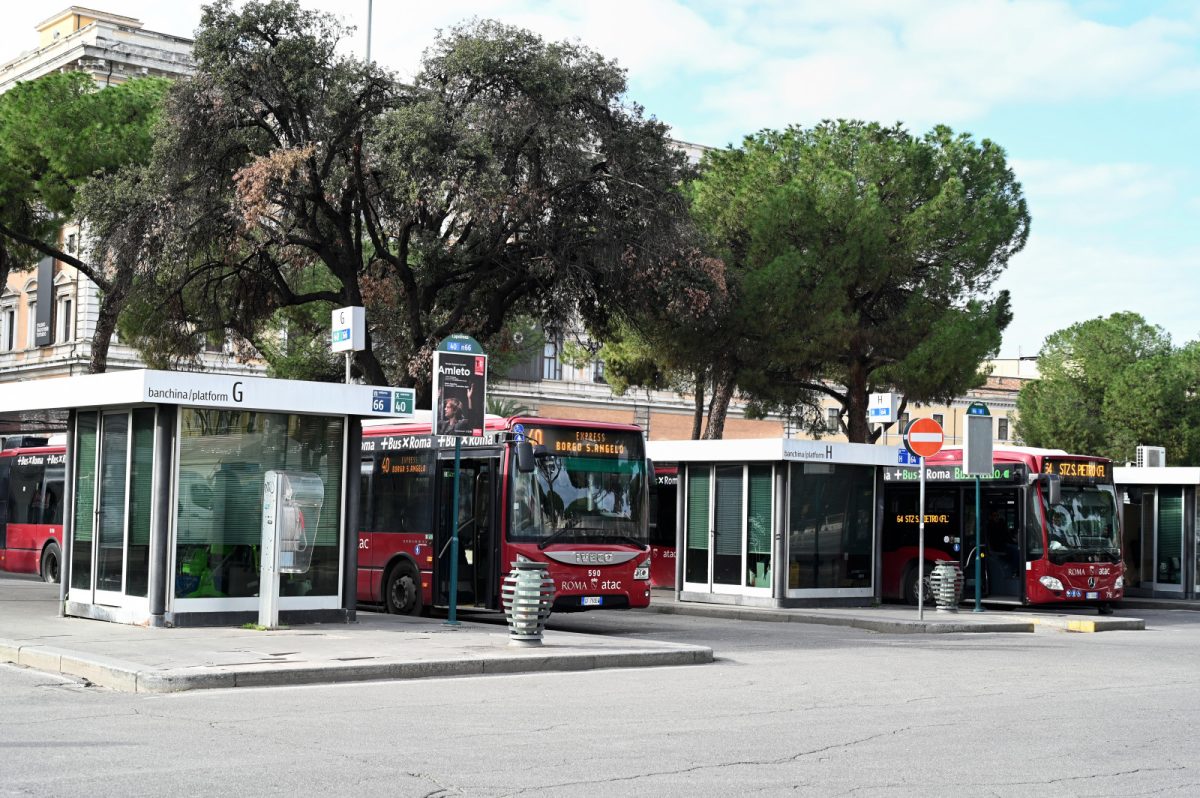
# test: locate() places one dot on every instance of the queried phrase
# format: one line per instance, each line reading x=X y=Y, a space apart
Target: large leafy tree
x=510 y=180
x=58 y=135
x=859 y=257
x=1107 y=385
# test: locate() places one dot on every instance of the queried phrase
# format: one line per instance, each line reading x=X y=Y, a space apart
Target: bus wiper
x=627 y=539
x=555 y=536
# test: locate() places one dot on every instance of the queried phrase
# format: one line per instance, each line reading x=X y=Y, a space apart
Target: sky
x=1095 y=102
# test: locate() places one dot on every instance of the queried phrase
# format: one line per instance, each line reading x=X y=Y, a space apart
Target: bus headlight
x=642 y=572
x=1119 y=583
x=1050 y=583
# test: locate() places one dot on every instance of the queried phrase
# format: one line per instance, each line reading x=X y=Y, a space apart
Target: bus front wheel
x=403 y=590
x=51 y=557
x=910 y=585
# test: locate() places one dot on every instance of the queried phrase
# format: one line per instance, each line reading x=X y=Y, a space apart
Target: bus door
x=478 y=542
x=1003 y=566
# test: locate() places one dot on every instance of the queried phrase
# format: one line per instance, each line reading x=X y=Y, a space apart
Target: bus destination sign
x=1004 y=472
x=1089 y=470
x=585 y=442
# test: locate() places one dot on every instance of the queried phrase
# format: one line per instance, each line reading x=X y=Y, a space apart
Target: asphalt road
x=787 y=709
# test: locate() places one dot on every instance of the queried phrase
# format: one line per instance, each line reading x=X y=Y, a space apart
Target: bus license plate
x=1094 y=594
x=591 y=601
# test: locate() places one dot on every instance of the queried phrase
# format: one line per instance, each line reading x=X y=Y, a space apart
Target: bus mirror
x=1052 y=488
x=525 y=457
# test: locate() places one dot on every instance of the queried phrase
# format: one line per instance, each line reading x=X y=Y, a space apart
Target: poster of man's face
x=459 y=382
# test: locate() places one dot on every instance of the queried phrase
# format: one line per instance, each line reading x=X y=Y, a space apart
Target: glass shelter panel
x=758 y=528
x=830 y=526
x=696 y=559
x=727 y=547
x=1170 y=535
x=223 y=458
x=110 y=510
x=85 y=497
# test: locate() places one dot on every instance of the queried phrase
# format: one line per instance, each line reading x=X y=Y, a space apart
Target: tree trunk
x=106 y=324
x=857 y=426
x=698 y=414
x=722 y=394
x=368 y=366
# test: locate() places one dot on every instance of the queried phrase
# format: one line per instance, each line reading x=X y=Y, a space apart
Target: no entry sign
x=924 y=437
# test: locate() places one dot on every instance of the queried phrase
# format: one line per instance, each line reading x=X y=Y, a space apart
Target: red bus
x=1049 y=534
x=582 y=507
x=663 y=514
x=32 y=473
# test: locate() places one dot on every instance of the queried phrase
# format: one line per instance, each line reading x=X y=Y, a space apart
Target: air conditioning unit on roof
x=1151 y=456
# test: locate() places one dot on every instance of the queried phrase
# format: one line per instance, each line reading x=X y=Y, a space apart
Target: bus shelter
x=167 y=477
x=776 y=522
x=1159 y=529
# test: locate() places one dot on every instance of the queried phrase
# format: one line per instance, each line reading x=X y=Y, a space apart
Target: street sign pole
x=459 y=398
x=923 y=439
x=978 y=551
x=977 y=461
x=921 y=547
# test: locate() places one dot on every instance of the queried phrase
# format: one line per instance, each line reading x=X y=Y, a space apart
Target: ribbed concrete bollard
x=527 y=596
x=946 y=584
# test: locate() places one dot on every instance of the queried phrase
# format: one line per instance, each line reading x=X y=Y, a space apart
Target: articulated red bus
x=582 y=508
x=32 y=473
x=1049 y=534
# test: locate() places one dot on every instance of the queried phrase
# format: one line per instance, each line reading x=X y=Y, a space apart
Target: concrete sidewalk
x=139 y=659
x=901 y=619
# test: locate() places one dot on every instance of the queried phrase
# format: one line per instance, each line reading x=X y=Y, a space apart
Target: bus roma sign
x=1008 y=472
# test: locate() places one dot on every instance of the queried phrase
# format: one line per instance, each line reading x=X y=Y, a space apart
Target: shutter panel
x=697 y=508
x=759 y=512
x=729 y=510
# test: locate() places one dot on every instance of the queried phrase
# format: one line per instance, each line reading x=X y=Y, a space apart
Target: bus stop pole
x=452 y=619
x=921 y=546
x=978 y=554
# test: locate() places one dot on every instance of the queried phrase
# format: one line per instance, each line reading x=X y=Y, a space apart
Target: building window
x=940 y=419
x=8 y=328
x=903 y=422
x=1002 y=429
x=551 y=367
x=831 y=419
x=31 y=324
x=65 y=327
x=598 y=371
x=71 y=244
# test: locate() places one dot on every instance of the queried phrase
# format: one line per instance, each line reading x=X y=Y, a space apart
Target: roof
x=196 y=389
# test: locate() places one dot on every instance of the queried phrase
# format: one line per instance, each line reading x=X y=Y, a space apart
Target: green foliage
x=507 y=407
x=860 y=257
x=1110 y=384
x=57 y=133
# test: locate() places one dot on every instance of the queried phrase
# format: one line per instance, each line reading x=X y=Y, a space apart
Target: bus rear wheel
x=51 y=557
x=403 y=590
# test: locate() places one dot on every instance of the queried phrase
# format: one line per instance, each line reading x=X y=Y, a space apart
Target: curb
x=131 y=677
x=887 y=626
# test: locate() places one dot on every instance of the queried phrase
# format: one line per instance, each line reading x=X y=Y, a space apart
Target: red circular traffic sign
x=924 y=437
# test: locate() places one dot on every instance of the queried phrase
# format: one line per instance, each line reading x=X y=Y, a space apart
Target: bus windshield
x=1084 y=524
x=580 y=499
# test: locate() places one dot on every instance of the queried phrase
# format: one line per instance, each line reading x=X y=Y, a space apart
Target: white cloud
x=943 y=61
x=1056 y=282
x=1094 y=195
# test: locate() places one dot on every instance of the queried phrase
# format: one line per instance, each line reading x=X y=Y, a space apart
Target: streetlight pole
x=370 y=3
